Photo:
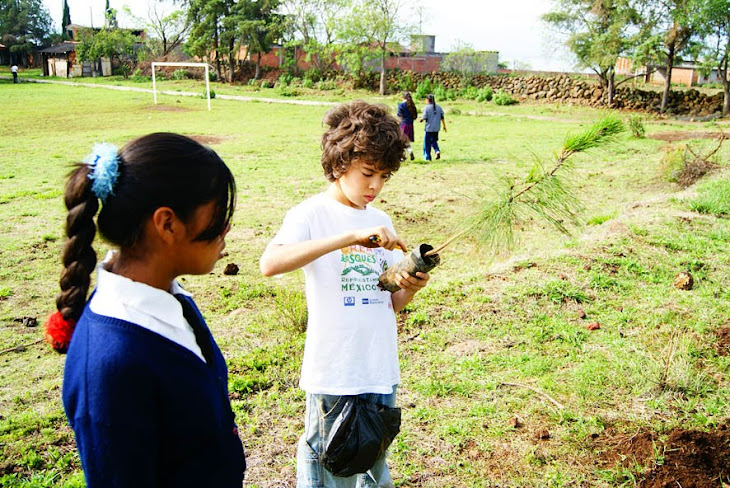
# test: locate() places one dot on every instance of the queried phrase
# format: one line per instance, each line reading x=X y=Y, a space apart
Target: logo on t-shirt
x=361 y=267
x=349 y=301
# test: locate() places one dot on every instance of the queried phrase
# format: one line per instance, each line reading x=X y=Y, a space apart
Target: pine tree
x=66 y=19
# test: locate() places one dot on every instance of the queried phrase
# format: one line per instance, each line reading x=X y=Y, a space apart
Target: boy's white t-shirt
x=351 y=345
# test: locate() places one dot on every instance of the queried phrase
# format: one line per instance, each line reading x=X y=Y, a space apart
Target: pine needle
x=543 y=194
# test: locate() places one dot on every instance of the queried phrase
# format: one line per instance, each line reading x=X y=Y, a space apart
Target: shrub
x=484 y=94
x=307 y=83
x=313 y=74
x=471 y=92
x=253 y=82
x=285 y=79
x=504 y=98
x=180 y=74
x=326 y=85
x=286 y=90
x=636 y=126
x=424 y=88
x=138 y=77
x=212 y=76
x=406 y=81
x=439 y=92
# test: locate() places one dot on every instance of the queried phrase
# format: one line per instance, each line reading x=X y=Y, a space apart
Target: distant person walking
x=407 y=112
x=14 y=70
x=433 y=115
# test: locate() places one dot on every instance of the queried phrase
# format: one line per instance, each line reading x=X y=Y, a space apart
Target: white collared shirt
x=149 y=307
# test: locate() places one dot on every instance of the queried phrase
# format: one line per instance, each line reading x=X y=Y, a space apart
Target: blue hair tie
x=104 y=164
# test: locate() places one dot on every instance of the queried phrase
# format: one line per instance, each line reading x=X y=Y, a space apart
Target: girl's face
x=360 y=184
x=199 y=257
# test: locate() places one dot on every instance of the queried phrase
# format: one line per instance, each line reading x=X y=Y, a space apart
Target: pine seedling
x=542 y=194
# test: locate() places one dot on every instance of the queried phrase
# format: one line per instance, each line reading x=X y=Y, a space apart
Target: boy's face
x=360 y=184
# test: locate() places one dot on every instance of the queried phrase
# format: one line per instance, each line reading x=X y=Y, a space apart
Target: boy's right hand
x=379 y=237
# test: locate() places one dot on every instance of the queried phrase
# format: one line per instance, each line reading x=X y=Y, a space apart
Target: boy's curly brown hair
x=361 y=130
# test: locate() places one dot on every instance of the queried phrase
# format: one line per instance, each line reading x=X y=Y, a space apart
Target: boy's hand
x=410 y=283
x=380 y=237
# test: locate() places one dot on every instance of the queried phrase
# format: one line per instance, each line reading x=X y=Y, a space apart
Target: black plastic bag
x=359 y=436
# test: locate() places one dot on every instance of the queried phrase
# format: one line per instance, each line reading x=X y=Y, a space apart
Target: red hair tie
x=59 y=331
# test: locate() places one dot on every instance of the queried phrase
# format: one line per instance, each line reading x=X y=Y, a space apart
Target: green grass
x=484 y=330
x=713 y=198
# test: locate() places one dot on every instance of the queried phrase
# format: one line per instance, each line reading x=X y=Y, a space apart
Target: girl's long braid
x=79 y=258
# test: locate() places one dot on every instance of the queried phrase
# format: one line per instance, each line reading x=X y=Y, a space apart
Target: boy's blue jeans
x=430 y=140
x=322 y=410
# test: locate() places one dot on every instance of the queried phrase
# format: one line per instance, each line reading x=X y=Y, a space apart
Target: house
x=420 y=57
x=685 y=73
x=60 y=59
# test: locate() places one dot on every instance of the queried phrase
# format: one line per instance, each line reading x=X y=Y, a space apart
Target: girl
x=145 y=385
x=407 y=112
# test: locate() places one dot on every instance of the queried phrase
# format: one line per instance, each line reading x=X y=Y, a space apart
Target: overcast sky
x=512 y=27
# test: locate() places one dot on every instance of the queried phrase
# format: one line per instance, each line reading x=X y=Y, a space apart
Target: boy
x=343 y=245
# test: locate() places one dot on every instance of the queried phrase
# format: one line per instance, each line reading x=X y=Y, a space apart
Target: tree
x=377 y=24
x=167 y=30
x=598 y=33
x=66 y=18
x=24 y=26
x=205 y=17
x=110 y=16
x=465 y=60
x=674 y=29
x=115 y=44
x=259 y=26
x=315 y=26
x=714 y=17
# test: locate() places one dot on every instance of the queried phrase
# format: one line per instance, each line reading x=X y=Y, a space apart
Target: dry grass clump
x=685 y=165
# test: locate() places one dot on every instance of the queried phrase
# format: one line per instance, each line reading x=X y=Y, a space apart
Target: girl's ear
x=166 y=224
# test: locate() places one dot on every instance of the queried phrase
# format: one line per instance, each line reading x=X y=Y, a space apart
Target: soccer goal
x=183 y=65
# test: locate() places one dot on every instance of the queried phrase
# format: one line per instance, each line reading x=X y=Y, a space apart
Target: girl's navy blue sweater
x=148 y=412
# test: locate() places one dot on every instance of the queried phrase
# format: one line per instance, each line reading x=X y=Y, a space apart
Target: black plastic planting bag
x=359 y=436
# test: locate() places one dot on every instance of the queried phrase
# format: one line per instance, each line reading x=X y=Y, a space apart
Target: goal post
x=182 y=65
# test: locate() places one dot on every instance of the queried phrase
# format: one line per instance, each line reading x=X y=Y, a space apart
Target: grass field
x=504 y=382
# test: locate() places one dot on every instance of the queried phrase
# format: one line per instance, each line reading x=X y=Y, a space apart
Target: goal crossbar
x=182 y=65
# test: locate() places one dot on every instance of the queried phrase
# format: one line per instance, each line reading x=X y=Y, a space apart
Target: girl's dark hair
x=157 y=170
x=361 y=130
x=410 y=105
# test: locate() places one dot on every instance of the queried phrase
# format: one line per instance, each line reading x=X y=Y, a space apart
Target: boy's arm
x=282 y=258
x=410 y=285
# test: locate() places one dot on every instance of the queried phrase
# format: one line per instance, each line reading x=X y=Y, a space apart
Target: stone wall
x=564 y=88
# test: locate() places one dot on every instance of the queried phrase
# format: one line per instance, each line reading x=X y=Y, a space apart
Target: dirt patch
x=166 y=108
x=208 y=140
x=723 y=341
x=681 y=135
x=687 y=458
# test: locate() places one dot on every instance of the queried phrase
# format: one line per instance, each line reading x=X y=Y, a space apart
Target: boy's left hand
x=412 y=283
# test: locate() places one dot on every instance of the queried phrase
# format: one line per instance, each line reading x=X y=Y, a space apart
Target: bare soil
x=723 y=341
x=208 y=140
x=681 y=135
x=686 y=458
x=166 y=108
